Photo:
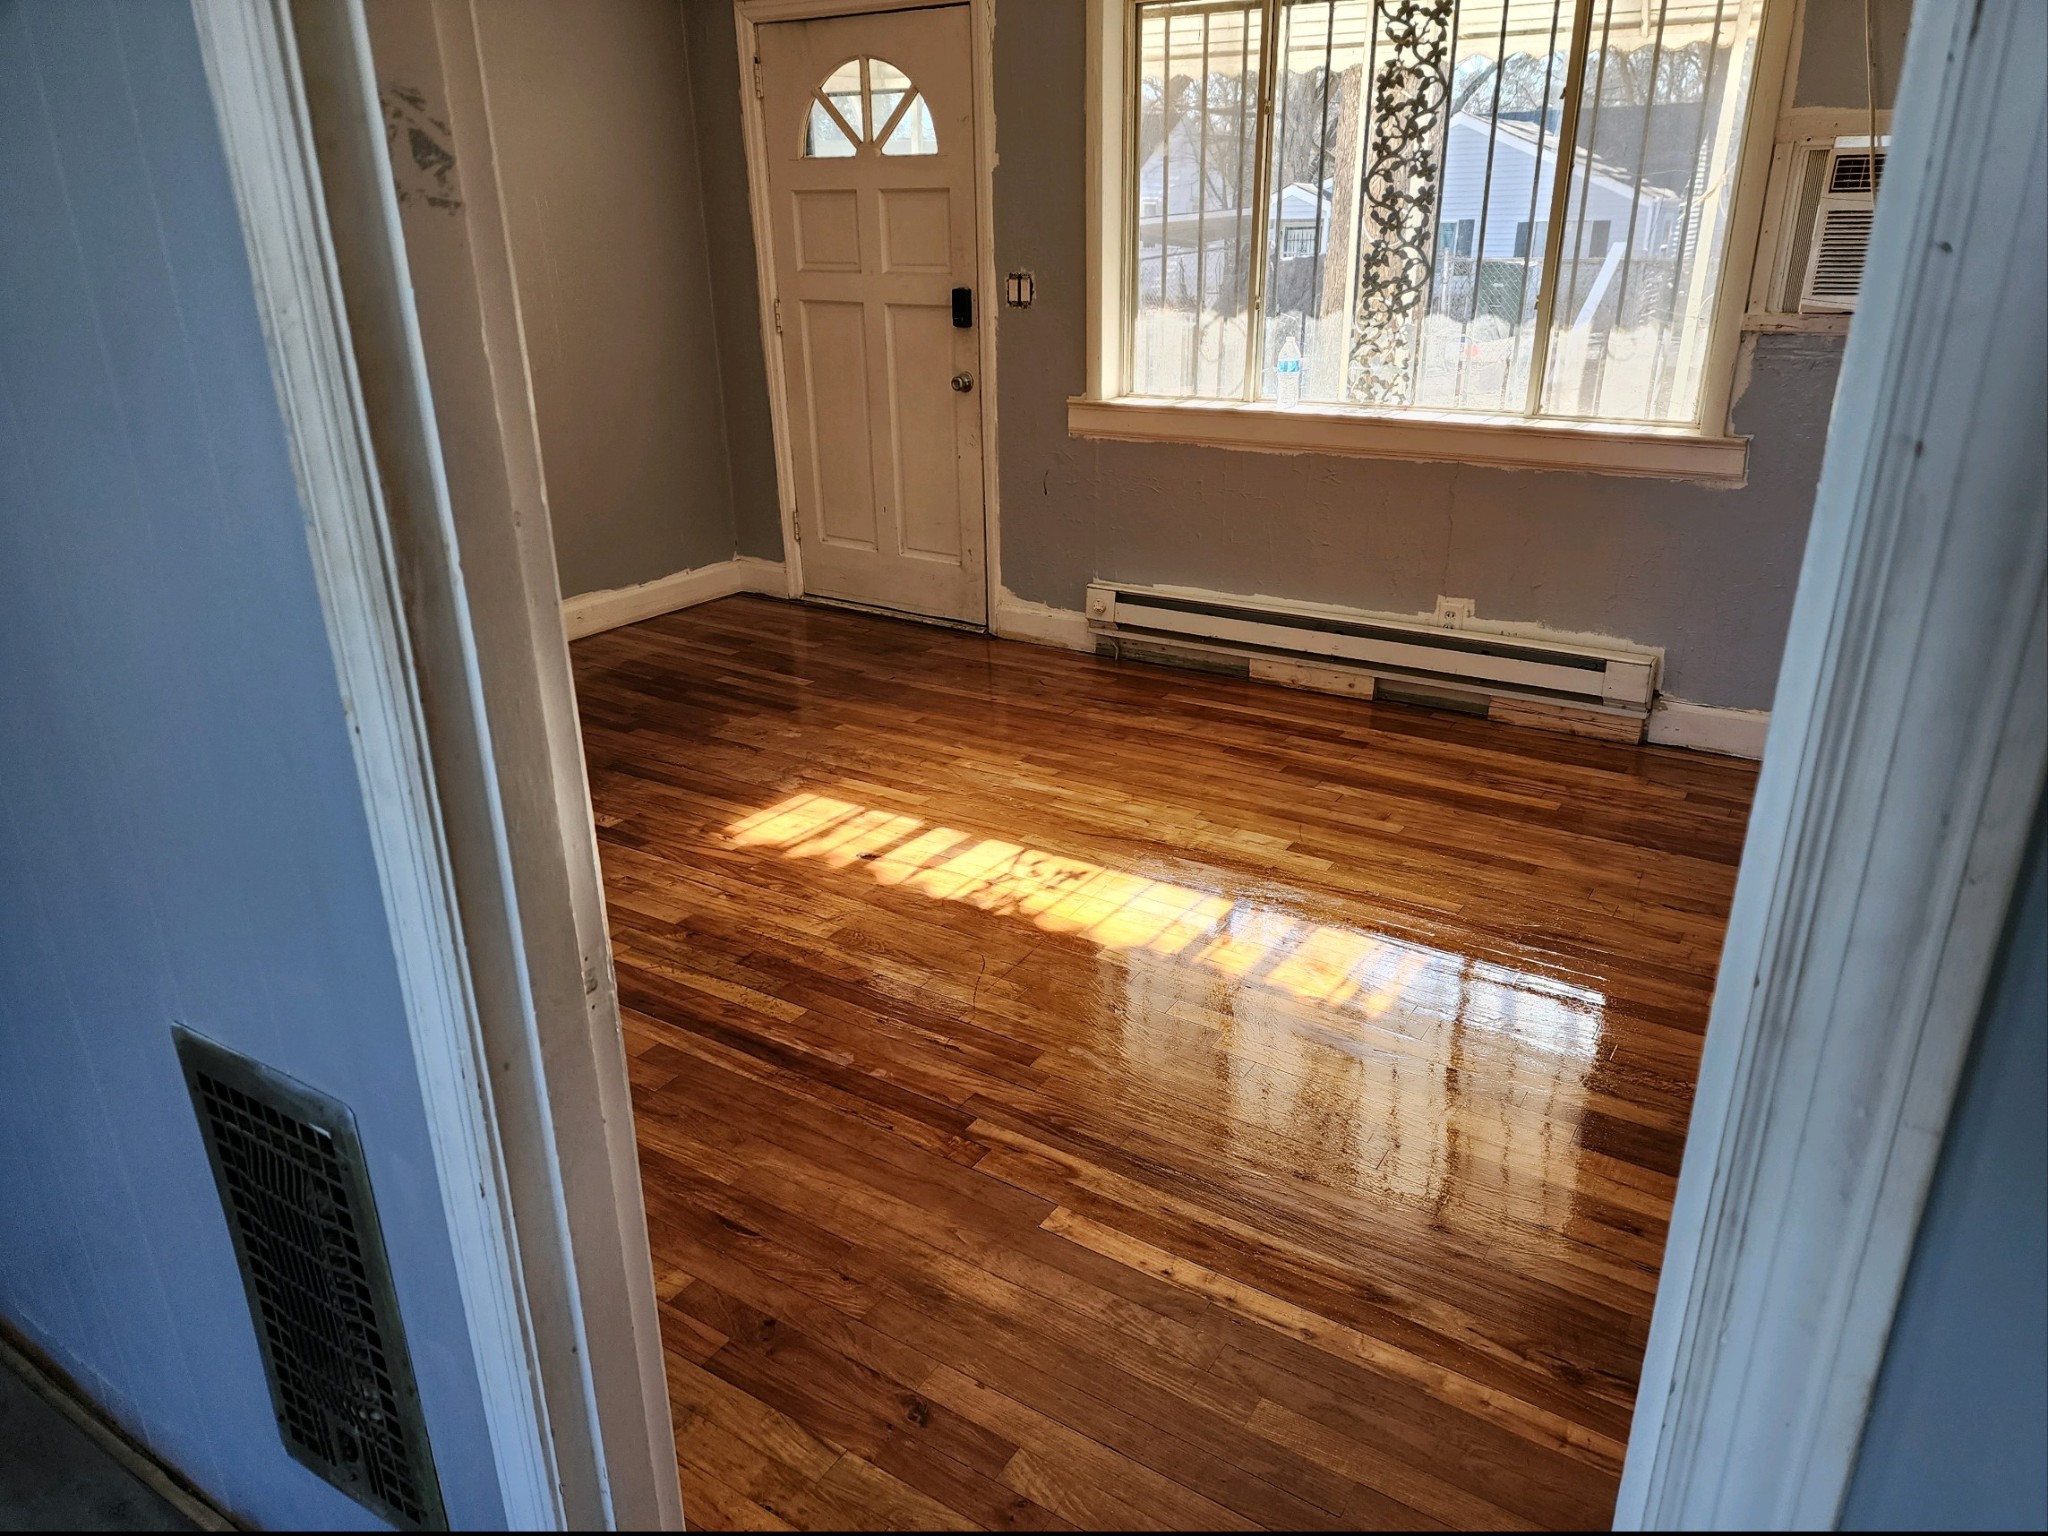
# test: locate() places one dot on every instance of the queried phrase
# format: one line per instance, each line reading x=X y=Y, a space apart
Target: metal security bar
x=1495 y=206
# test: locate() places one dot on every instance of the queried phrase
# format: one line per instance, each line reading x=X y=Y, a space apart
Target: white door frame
x=748 y=16
x=1905 y=762
x=1908 y=750
x=443 y=616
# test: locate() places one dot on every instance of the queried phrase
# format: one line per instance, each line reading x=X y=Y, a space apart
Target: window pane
x=913 y=133
x=842 y=88
x=1421 y=155
x=1191 y=215
x=887 y=86
x=1652 y=192
x=823 y=137
x=1321 y=60
x=1502 y=110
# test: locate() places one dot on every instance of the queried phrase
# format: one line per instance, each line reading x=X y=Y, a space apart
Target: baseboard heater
x=1588 y=690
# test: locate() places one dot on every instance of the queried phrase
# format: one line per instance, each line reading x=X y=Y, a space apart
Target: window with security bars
x=1503 y=207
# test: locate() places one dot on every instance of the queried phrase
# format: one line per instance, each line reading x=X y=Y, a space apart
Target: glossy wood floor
x=1080 y=1094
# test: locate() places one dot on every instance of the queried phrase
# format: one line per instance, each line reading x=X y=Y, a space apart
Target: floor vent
x=1586 y=688
x=290 y=1170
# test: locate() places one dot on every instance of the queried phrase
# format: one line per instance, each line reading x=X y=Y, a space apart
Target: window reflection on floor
x=1342 y=968
x=1385 y=1065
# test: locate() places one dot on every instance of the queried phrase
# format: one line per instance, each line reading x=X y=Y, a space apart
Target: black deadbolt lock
x=963 y=309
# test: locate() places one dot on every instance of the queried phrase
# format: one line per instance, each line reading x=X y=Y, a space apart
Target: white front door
x=869 y=129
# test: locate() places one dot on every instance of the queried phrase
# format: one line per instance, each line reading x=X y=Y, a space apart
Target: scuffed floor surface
x=1081 y=1094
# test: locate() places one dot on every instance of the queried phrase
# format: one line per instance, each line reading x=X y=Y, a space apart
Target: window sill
x=1509 y=442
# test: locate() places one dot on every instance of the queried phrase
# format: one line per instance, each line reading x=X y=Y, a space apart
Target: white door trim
x=436 y=570
x=252 y=68
x=1906 y=758
x=748 y=17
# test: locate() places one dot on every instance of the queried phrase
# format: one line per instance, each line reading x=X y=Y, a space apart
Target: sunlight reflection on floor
x=1346 y=969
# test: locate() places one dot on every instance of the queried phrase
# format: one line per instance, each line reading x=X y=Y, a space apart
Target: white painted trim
x=1909 y=743
x=753 y=136
x=1513 y=442
x=1817 y=124
x=1709 y=728
x=982 y=44
x=1018 y=618
x=1773 y=78
x=748 y=17
x=434 y=311
x=1105 y=176
x=253 y=71
x=763 y=11
x=591 y=613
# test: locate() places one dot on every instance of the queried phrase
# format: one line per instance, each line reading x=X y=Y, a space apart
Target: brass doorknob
x=963 y=382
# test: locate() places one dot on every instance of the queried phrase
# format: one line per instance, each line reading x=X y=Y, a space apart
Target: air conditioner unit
x=1841 y=220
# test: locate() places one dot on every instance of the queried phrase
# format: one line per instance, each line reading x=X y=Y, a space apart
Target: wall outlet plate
x=1454 y=611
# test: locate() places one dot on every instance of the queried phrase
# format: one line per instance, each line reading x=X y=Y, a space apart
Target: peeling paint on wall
x=422 y=163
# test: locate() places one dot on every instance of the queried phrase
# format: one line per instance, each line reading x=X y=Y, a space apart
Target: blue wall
x=181 y=833
x=1958 y=1430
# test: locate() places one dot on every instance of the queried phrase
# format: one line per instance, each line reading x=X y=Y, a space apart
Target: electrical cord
x=1870 y=92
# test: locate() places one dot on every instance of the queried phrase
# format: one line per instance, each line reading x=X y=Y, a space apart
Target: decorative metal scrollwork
x=1403 y=169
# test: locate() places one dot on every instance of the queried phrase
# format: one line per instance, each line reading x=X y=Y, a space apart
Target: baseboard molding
x=1672 y=723
x=42 y=1377
x=1709 y=728
x=594 y=612
x=1041 y=624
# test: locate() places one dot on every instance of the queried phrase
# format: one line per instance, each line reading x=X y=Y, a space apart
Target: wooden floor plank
x=1076 y=1094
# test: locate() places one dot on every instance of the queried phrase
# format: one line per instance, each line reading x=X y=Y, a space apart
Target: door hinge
x=778 y=317
x=760 y=93
x=796 y=524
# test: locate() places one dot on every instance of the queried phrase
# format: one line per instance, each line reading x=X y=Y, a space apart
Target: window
x=862 y=92
x=1517 y=208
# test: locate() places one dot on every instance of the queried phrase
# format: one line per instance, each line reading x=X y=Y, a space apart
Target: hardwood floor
x=1080 y=1094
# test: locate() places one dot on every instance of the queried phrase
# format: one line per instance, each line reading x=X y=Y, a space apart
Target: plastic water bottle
x=1287 y=373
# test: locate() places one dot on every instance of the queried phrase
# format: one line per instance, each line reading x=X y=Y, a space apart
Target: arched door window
x=868 y=104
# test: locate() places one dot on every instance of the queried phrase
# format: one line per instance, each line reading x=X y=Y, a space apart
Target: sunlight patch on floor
x=1239 y=941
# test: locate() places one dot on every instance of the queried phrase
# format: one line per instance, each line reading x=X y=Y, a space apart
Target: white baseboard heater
x=1588 y=689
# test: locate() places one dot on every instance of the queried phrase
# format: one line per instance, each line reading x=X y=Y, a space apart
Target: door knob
x=963 y=382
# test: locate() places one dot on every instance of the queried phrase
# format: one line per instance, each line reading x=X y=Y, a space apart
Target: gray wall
x=181 y=833
x=735 y=283
x=596 y=139
x=1958 y=1430
x=1707 y=574
x=1832 y=70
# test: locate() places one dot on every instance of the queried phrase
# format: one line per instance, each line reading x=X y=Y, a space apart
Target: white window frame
x=1704 y=450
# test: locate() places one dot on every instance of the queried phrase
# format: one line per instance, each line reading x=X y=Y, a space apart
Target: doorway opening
x=1057 y=1027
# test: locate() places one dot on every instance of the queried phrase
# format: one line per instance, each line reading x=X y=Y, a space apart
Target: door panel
x=916 y=230
x=827 y=232
x=920 y=391
x=835 y=374
x=872 y=233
